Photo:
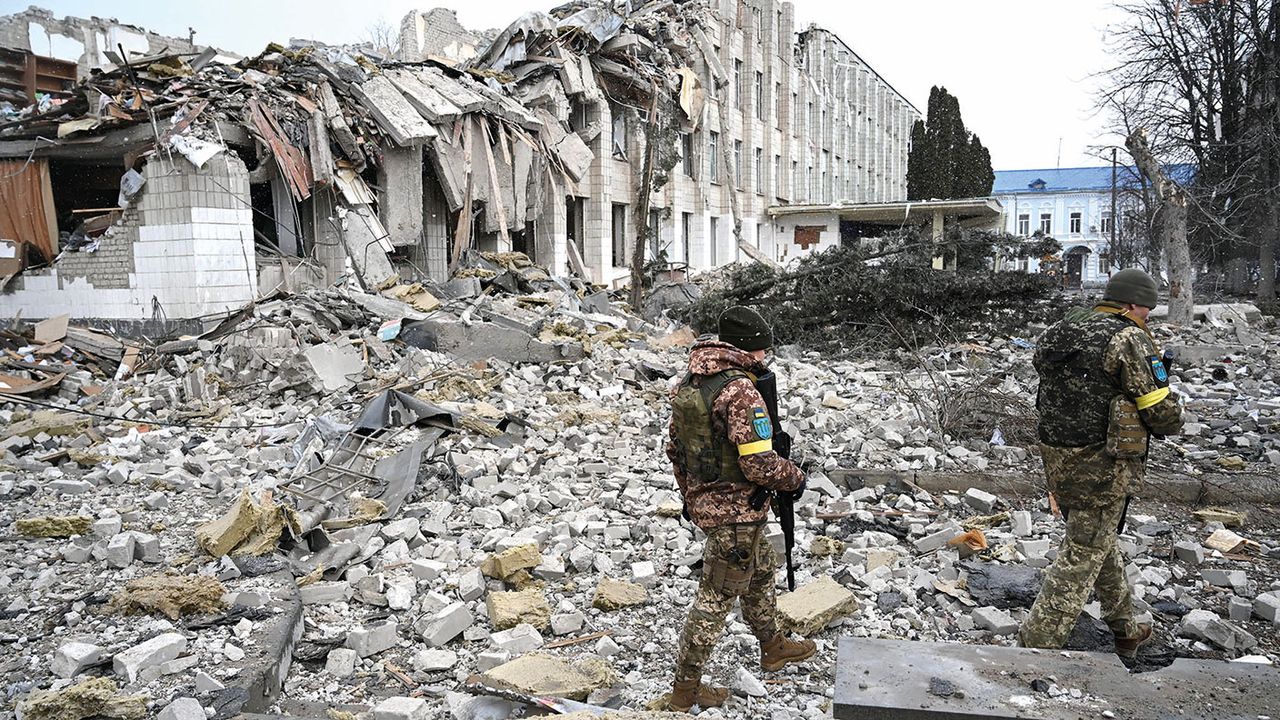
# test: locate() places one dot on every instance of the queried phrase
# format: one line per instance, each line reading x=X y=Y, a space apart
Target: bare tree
x=383 y=38
x=1196 y=76
x=1173 y=228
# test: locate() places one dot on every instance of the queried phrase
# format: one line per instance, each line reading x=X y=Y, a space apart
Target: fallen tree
x=842 y=299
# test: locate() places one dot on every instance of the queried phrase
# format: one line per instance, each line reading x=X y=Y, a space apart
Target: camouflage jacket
x=1087 y=476
x=711 y=504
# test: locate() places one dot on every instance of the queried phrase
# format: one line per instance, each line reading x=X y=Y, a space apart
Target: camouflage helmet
x=1132 y=286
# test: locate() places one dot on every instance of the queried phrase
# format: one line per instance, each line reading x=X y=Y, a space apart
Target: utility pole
x=1114 y=218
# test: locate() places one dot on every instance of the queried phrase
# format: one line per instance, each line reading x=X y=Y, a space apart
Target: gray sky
x=1021 y=69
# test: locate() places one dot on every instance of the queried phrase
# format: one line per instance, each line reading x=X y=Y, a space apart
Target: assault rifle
x=784 y=502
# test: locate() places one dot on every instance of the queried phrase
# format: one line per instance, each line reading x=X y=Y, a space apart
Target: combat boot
x=687 y=693
x=778 y=652
x=1127 y=648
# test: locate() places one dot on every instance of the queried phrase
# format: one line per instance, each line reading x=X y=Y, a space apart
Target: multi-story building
x=1071 y=205
x=805 y=121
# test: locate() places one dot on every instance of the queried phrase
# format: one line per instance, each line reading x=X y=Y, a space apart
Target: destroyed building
x=437 y=34
x=313 y=164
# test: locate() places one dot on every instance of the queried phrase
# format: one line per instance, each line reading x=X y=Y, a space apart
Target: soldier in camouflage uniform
x=1104 y=390
x=721 y=449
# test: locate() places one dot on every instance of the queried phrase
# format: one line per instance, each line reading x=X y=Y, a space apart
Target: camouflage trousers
x=1087 y=560
x=737 y=563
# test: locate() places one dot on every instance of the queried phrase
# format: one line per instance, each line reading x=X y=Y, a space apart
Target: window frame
x=713 y=156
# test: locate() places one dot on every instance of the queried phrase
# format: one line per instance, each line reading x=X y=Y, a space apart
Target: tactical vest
x=707 y=457
x=1075 y=391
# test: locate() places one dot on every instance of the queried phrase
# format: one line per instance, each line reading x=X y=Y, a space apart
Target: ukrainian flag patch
x=761 y=423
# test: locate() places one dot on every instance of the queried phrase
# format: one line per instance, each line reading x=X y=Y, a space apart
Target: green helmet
x=1132 y=286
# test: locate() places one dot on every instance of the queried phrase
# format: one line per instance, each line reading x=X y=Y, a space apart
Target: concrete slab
x=891 y=679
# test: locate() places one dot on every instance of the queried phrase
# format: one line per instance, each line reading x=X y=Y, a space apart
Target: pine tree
x=946 y=160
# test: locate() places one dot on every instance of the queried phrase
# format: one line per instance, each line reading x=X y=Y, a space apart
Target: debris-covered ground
x=397 y=492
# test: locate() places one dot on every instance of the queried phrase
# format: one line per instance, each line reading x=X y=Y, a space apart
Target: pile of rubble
x=452 y=500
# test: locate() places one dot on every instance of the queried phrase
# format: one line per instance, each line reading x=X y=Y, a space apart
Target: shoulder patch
x=761 y=423
x=1158 y=370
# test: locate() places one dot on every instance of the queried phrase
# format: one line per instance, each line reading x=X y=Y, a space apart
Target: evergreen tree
x=946 y=160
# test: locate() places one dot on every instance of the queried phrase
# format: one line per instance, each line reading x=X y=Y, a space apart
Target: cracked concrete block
x=938 y=538
x=522 y=638
x=323 y=593
x=341 y=662
x=1267 y=606
x=470 y=584
x=1207 y=626
x=995 y=620
x=432 y=660
x=811 y=607
x=445 y=625
x=374 y=639
x=565 y=623
x=617 y=594
x=1189 y=551
x=72 y=658
x=157 y=650
x=508 y=609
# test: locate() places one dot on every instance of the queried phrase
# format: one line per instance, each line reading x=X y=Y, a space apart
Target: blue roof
x=1009 y=182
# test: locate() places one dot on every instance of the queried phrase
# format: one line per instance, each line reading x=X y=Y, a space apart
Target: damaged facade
x=309 y=165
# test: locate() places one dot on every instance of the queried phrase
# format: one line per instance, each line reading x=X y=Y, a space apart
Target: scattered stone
x=446 y=624
x=618 y=594
x=72 y=658
x=402 y=708
x=374 y=639
x=1267 y=607
x=1020 y=520
x=1189 y=551
x=160 y=649
x=434 y=660
x=538 y=674
x=522 y=638
x=1225 y=578
x=508 y=609
x=341 y=662
x=507 y=563
x=747 y=684
x=994 y=619
x=980 y=500
x=565 y=623
x=813 y=606
x=1239 y=609
x=1207 y=626
x=183 y=708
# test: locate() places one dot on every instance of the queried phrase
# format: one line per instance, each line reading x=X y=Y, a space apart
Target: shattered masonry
x=301 y=165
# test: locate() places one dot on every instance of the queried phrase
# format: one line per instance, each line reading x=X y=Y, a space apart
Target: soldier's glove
x=782 y=443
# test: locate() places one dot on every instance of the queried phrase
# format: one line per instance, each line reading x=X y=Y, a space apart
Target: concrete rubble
x=519 y=519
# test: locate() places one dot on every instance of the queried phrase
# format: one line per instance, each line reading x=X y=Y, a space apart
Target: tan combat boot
x=1127 y=648
x=687 y=693
x=778 y=652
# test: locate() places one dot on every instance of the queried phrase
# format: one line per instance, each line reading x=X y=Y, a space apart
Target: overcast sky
x=1023 y=71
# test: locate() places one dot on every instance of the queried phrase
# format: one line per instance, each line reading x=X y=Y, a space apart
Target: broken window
x=619 y=235
x=577 y=115
x=758 y=178
x=737 y=164
x=686 y=153
x=1075 y=220
x=1024 y=224
x=713 y=154
x=655 y=234
x=619 y=131
x=1046 y=223
x=778 y=190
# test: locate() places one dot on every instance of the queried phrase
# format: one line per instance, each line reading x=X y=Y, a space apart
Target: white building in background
x=1071 y=205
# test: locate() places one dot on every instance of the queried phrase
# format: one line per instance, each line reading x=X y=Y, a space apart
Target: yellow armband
x=1151 y=398
x=755 y=448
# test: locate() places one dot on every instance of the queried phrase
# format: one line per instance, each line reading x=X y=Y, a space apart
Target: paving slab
x=891 y=680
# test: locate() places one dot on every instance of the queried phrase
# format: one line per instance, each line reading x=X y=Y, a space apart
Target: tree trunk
x=1173 y=228
x=642 y=211
x=1267 y=250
